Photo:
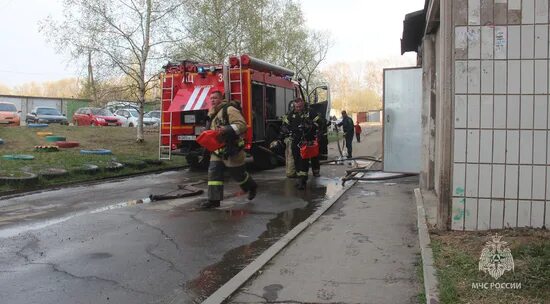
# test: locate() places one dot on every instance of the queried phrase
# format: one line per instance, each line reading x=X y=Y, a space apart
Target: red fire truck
x=264 y=90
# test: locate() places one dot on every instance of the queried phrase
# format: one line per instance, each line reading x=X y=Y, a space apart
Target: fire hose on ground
x=189 y=189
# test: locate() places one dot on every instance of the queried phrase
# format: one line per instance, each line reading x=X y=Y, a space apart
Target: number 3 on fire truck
x=220 y=77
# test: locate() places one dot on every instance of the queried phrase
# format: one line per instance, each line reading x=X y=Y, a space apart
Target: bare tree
x=272 y=30
x=307 y=59
x=126 y=37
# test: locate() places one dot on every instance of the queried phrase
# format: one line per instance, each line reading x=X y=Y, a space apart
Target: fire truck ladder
x=165 y=151
x=239 y=81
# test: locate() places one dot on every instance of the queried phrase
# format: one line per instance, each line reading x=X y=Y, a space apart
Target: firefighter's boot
x=215 y=185
x=210 y=204
x=252 y=192
x=245 y=180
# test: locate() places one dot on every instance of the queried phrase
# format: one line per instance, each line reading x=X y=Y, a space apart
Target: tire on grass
x=113 y=166
x=53 y=138
x=46 y=148
x=53 y=172
x=1 y=141
x=97 y=151
x=19 y=178
x=135 y=164
x=153 y=162
x=37 y=125
x=86 y=169
x=43 y=134
x=17 y=157
x=67 y=144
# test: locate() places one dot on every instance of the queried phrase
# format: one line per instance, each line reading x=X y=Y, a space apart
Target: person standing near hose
x=347 y=126
x=302 y=125
x=227 y=118
x=358 y=132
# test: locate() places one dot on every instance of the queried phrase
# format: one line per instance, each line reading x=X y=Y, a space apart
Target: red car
x=95 y=117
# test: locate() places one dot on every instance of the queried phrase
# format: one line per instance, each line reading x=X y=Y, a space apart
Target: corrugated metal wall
x=501 y=175
x=25 y=104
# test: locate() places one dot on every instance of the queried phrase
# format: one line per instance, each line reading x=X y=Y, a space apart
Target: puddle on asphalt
x=214 y=276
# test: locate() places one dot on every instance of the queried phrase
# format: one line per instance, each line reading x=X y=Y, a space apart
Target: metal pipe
x=260 y=65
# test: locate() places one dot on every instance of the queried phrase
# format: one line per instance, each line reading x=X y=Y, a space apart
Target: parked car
x=9 y=114
x=129 y=118
x=46 y=115
x=95 y=117
x=155 y=115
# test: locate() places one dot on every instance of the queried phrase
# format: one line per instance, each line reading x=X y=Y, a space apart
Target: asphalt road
x=93 y=244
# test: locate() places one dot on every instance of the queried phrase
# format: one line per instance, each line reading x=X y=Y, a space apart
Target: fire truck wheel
x=198 y=163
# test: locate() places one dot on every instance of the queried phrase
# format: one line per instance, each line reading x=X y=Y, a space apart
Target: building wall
x=438 y=137
x=501 y=138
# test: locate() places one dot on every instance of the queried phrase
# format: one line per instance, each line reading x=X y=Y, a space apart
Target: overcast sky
x=360 y=30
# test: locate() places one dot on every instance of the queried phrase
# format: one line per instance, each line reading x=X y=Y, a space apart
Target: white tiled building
x=486 y=113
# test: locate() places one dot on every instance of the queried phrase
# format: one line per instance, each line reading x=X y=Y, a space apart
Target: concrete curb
x=23 y=192
x=224 y=292
x=431 y=282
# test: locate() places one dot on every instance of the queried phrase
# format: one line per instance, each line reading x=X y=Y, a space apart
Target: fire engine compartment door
x=258 y=114
x=191 y=98
x=402 y=119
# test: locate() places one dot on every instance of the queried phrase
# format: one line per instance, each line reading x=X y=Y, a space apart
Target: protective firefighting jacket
x=227 y=115
x=301 y=126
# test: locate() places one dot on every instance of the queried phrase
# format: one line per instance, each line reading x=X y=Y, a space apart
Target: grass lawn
x=421 y=297
x=457 y=255
x=121 y=141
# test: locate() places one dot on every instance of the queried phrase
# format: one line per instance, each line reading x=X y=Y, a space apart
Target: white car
x=130 y=117
x=155 y=115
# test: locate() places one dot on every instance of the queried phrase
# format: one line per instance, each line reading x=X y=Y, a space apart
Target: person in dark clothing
x=347 y=126
x=302 y=125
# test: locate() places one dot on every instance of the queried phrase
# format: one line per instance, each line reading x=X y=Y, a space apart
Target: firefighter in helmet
x=227 y=118
x=302 y=126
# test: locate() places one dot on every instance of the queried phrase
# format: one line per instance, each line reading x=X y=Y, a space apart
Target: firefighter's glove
x=276 y=146
x=226 y=134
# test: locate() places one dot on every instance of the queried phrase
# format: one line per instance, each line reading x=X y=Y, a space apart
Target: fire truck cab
x=265 y=92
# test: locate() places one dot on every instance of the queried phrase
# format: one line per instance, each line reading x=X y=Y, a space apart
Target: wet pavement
x=62 y=247
x=94 y=244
